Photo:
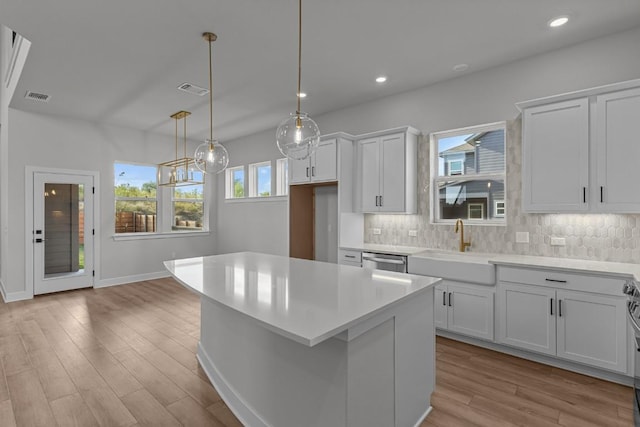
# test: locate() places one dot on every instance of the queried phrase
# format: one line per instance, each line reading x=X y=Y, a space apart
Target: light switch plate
x=413 y=233
x=522 y=237
x=558 y=241
x=376 y=231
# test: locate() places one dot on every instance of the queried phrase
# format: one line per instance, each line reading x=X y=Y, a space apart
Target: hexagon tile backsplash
x=598 y=237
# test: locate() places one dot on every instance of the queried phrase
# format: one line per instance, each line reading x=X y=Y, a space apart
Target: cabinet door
x=324 y=165
x=369 y=154
x=471 y=311
x=555 y=163
x=592 y=329
x=618 y=151
x=392 y=174
x=440 y=306
x=526 y=317
x=300 y=171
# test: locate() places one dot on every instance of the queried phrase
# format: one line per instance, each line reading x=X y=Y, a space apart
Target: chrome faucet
x=463 y=244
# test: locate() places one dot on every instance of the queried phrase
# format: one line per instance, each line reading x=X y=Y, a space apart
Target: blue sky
x=264 y=179
x=135 y=175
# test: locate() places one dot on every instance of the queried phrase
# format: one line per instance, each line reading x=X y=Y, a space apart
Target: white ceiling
x=120 y=61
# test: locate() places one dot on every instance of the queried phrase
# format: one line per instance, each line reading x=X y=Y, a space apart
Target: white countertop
x=618 y=269
x=385 y=249
x=306 y=301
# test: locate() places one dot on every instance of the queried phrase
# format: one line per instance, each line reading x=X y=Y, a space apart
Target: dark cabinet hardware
x=450 y=300
x=556 y=280
x=551 y=305
x=559 y=308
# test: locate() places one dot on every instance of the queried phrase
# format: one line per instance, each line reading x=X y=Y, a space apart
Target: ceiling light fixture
x=298 y=135
x=381 y=79
x=558 y=21
x=179 y=172
x=211 y=156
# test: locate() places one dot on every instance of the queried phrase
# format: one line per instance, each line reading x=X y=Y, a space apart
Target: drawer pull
x=350 y=256
x=556 y=280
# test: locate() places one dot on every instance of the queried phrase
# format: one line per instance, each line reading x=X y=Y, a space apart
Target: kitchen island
x=291 y=342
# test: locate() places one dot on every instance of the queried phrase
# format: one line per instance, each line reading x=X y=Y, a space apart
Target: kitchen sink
x=460 y=266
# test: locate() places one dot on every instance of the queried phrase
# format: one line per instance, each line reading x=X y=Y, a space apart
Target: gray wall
x=56 y=142
x=477 y=98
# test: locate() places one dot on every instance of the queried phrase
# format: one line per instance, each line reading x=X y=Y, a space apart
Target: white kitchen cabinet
x=526 y=317
x=555 y=169
x=387 y=171
x=579 y=151
x=464 y=309
x=618 y=151
x=350 y=257
x=545 y=313
x=322 y=165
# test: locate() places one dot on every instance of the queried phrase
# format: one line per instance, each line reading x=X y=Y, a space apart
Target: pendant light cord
x=210 y=96
x=299 y=53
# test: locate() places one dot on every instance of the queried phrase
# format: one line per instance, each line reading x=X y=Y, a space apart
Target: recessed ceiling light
x=302 y=95
x=460 y=67
x=558 y=21
x=381 y=79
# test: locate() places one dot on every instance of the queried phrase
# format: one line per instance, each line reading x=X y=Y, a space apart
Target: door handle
x=444 y=298
x=450 y=299
x=380 y=200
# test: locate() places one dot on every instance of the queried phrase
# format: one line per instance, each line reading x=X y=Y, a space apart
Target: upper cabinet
x=387 y=171
x=322 y=165
x=578 y=151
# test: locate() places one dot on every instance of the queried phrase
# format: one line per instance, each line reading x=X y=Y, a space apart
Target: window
x=135 y=189
x=260 y=179
x=142 y=206
x=235 y=183
x=188 y=206
x=282 y=177
x=468 y=174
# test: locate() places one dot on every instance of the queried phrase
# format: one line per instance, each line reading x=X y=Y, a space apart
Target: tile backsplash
x=599 y=237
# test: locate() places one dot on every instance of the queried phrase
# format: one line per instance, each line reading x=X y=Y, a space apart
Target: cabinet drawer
x=562 y=280
x=349 y=256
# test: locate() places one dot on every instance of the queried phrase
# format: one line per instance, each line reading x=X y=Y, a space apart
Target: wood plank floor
x=125 y=356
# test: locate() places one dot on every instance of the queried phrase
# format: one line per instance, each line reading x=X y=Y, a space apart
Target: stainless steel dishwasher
x=384 y=261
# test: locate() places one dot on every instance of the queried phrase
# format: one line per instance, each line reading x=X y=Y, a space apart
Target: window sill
x=166 y=235
x=257 y=199
x=470 y=222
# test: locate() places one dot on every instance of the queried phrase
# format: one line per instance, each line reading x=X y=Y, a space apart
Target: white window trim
x=164 y=211
x=229 y=185
x=282 y=177
x=253 y=179
x=434 y=179
x=495 y=208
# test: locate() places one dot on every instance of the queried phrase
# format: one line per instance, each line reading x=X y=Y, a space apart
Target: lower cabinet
x=464 y=309
x=577 y=326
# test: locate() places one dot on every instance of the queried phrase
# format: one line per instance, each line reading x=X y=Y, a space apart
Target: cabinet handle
x=601 y=194
x=380 y=200
x=551 y=305
x=450 y=300
x=559 y=308
x=584 y=194
x=307 y=172
x=444 y=298
x=556 y=280
x=313 y=171
x=349 y=256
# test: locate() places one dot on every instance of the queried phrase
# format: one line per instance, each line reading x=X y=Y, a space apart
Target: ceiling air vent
x=40 y=97
x=191 y=88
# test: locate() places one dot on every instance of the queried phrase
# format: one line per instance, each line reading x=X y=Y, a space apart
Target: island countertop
x=306 y=301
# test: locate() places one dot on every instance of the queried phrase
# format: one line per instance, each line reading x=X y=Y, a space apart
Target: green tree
x=238 y=188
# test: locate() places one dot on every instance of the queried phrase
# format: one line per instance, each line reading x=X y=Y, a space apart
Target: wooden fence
x=133 y=222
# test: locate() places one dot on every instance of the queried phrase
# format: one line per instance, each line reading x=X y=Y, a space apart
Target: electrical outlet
x=522 y=237
x=558 y=241
x=413 y=233
x=376 y=231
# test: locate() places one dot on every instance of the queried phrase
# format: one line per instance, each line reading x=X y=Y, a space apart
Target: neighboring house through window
x=468 y=174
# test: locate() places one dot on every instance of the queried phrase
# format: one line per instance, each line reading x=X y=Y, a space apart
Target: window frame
x=475 y=204
x=188 y=200
x=164 y=209
x=435 y=179
x=253 y=179
x=229 y=183
x=282 y=177
x=496 y=208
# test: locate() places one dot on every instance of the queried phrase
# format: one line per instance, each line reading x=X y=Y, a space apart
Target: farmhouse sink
x=460 y=266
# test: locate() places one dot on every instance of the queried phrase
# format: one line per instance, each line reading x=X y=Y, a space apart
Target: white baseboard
x=424 y=416
x=14 y=296
x=103 y=283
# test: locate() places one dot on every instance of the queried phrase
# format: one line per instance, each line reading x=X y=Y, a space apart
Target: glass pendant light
x=211 y=156
x=298 y=135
